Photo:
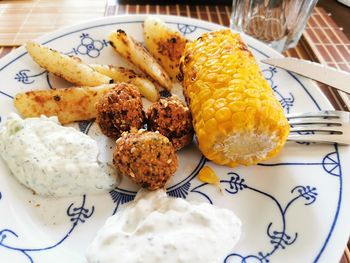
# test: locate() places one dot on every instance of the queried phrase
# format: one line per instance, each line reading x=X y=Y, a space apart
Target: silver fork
x=321 y=127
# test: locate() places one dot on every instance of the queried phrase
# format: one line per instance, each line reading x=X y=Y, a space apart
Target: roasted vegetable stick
x=134 y=52
x=71 y=69
x=236 y=117
x=165 y=44
x=120 y=74
x=68 y=104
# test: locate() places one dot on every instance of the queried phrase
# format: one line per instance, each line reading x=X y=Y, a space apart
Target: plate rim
x=17 y=54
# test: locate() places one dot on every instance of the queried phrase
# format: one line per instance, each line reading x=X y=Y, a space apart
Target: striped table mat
x=322 y=41
x=328 y=45
x=29 y=19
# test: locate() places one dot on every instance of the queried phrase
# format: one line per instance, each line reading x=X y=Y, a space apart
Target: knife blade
x=333 y=77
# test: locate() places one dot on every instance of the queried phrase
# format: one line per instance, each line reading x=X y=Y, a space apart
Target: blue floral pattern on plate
x=77 y=215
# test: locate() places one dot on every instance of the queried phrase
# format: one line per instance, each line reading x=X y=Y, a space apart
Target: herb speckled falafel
x=119 y=110
x=148 y=158
x=173 y=119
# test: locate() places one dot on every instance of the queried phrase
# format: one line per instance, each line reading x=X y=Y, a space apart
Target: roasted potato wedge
x=165 y=44
x=134 y=52
x=68 y=104
x=120 y=74
x=70 y=68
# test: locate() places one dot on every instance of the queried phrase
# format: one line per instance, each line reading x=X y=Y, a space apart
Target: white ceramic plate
x=294 y=208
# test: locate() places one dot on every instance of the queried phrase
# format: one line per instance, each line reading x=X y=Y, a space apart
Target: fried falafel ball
x=119 y=110
x=173 y=119
x=148 y=158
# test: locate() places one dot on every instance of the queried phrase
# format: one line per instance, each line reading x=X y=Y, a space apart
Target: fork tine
x=320 y=138
x=336 y=123
x=317 y=128
x=316 y=114
x=304 y=121
x=343 y=115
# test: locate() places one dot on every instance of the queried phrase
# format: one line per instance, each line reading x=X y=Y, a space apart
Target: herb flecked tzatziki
x=157 y=228
x=51 y=159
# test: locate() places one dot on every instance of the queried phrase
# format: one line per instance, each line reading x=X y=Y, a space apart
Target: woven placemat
x=21 y=21
x=330 y=46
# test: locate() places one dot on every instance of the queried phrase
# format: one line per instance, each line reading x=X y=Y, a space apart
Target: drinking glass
x=279 y=23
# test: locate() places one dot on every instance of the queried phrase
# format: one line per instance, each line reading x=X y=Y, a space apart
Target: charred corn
x=236 y=117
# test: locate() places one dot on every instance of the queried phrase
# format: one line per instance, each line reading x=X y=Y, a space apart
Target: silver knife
x=333 y=77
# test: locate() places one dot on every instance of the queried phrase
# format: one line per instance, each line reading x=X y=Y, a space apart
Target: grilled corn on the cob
x=236 y=117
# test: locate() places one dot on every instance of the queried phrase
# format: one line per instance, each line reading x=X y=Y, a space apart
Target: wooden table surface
x=323 y=40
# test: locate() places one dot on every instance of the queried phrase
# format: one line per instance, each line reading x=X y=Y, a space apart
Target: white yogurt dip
x=53 y=160
x=157 y=228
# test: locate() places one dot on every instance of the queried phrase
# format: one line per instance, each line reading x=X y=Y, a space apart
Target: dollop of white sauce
x=51 y=159
x=157 y=228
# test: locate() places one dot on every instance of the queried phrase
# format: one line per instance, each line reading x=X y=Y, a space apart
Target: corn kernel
x=211 y=125
x=235 y=96
x=207 y=175
x=220 y=103
x=223 y=114
x=204 y=94
x=208 y=113
x=208 y=104
x=237 y=106
x=219 y=93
